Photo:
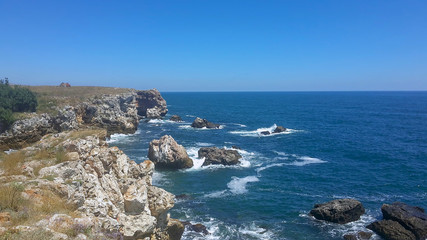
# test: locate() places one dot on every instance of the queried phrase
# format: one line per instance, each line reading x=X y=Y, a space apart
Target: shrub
x=61 y=155
x=10 y=196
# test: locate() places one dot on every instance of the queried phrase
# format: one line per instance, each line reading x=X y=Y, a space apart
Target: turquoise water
x=371 y=146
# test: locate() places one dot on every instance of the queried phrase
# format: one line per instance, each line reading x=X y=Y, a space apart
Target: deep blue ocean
x=371 y=146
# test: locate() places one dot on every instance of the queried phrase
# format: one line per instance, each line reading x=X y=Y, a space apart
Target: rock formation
x=151 y=104
x=175 y=118
x=116 y=113
x=214 y=155
x=401 y=221
x=167 y=153
x=338 y=211
x=278 y=129
x=203 y=123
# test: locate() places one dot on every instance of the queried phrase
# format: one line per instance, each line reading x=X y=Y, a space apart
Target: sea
x=370 y=146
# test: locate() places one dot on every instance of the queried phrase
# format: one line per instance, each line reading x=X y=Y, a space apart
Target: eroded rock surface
x=167 y=153
x=214 y=155
x=151 y=104
x=203 y=123
x=338 y=211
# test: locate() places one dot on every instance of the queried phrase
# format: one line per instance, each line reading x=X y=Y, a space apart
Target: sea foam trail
x=257 y=133
x=304 y=160
x=238 y=185
x=189 y=127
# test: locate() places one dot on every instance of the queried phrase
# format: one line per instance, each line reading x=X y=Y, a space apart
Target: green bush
x=14 y=99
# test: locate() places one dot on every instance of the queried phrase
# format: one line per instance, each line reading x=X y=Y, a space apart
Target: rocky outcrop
x=358 y=236
x=175 y=118
x=214 y=155
x=116 y=113
x=203 y=123
x=111 y=191
x=401 y=221
x=278 y=129
x=167 y=153
x=151 y=104
x=338 y=211
x=198 y=227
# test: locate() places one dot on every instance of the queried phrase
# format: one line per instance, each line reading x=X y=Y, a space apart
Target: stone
x=214 y=155
x=198 y=227
x=151 y=104
x=175 y=229
x=391 y=230
x=135 y=199
x=72 y=156
x=265 y=133
x=137 y=226
x=350 y=237
x=358 y=236
x=175 y=118
x=4 y=218
x=167 y=153
x=411 y=218
x=203 y=123
x=279 y=129
x=338 y=211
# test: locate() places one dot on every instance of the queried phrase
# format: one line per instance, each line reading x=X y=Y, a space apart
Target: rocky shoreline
x=112 y=197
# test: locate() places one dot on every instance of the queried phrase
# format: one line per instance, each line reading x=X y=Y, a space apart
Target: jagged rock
x=391 y=230
x=151 y=104
x=198 y=227
x=214 y=155
x=235 y=147
x=338 y=211
x=412 y=218
x=203 y=123
x=167 y=153
x=175 y=118
x=279 y=129
x=160 y=201
x=401 y=221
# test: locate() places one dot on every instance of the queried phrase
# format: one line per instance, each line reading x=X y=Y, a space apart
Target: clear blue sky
x=217 y=45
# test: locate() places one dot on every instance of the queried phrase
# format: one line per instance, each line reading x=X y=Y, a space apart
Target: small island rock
x=214 y=155
x=279 y=129
x=203 y=123
x=338 y=211
x=167 y=153
x=175 y=118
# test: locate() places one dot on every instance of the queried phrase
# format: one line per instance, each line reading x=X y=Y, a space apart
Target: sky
x=182 y=45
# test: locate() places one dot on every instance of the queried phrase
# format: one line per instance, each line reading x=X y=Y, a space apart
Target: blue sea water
x=371 y=146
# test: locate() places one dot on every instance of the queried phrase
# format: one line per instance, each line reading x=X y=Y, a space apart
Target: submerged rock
x=167 y=153
x=198 y=227
x=214 y=155
x=175 y=118
x=203 y=123
x=399 y=219
x=338 y=211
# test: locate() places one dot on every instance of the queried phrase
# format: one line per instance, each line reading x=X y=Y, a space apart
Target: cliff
x=97 y=191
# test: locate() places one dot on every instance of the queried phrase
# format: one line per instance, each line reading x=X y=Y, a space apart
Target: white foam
x=216 y=194
x=269 y=166
x=304 y=160
x=188 y=126
x=10 y=151
x=121 y=137
x=257 y=133
x=238 y=185
x=202 y=144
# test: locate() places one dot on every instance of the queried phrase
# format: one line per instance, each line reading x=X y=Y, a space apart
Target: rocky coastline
x=110 y=196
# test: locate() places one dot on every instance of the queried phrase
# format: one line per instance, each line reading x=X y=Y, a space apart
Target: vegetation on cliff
x=14 y=99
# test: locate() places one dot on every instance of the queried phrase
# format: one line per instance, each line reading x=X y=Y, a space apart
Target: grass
x=42 y=154
x=38 y=234
x=61 y=155
x=50 y=97
x=12 y=162
x=10 y=197
x=83 y=133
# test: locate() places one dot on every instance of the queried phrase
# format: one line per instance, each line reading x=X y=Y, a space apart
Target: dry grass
x=42 y=155
x=38 y=234
x=10 y=197
x=83 y=133
x=52 y=204
x=50 y=97
x=12 y=162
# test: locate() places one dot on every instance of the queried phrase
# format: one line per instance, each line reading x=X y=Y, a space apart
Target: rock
x=203 y=123
x=160 y=201
x=235 y=147
x=175 y=118
x=72 y=156
x=279 y=129
x=338 y=211
x=151 y=104
x=391 y=230
x=167 y=153
x=198 y=227
x=265 y=133
x=4 y=218
x=412 y=218
x=138 y=226
x=175 y=229
x=214 y=155
x=60 y=222
x=359 y=236
x=135 y=199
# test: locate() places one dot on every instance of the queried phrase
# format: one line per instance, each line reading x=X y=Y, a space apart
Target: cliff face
x=112 y=195
x=116 y=113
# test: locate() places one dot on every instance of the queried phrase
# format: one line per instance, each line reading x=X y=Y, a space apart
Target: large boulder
x=214 y=155
x=151 y=104
x=391 y=230
x=338 y=211
x=167 y=153
x=399 y=219
x=203 y=123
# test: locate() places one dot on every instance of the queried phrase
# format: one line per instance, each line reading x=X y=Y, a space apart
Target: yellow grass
x=12 y=162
